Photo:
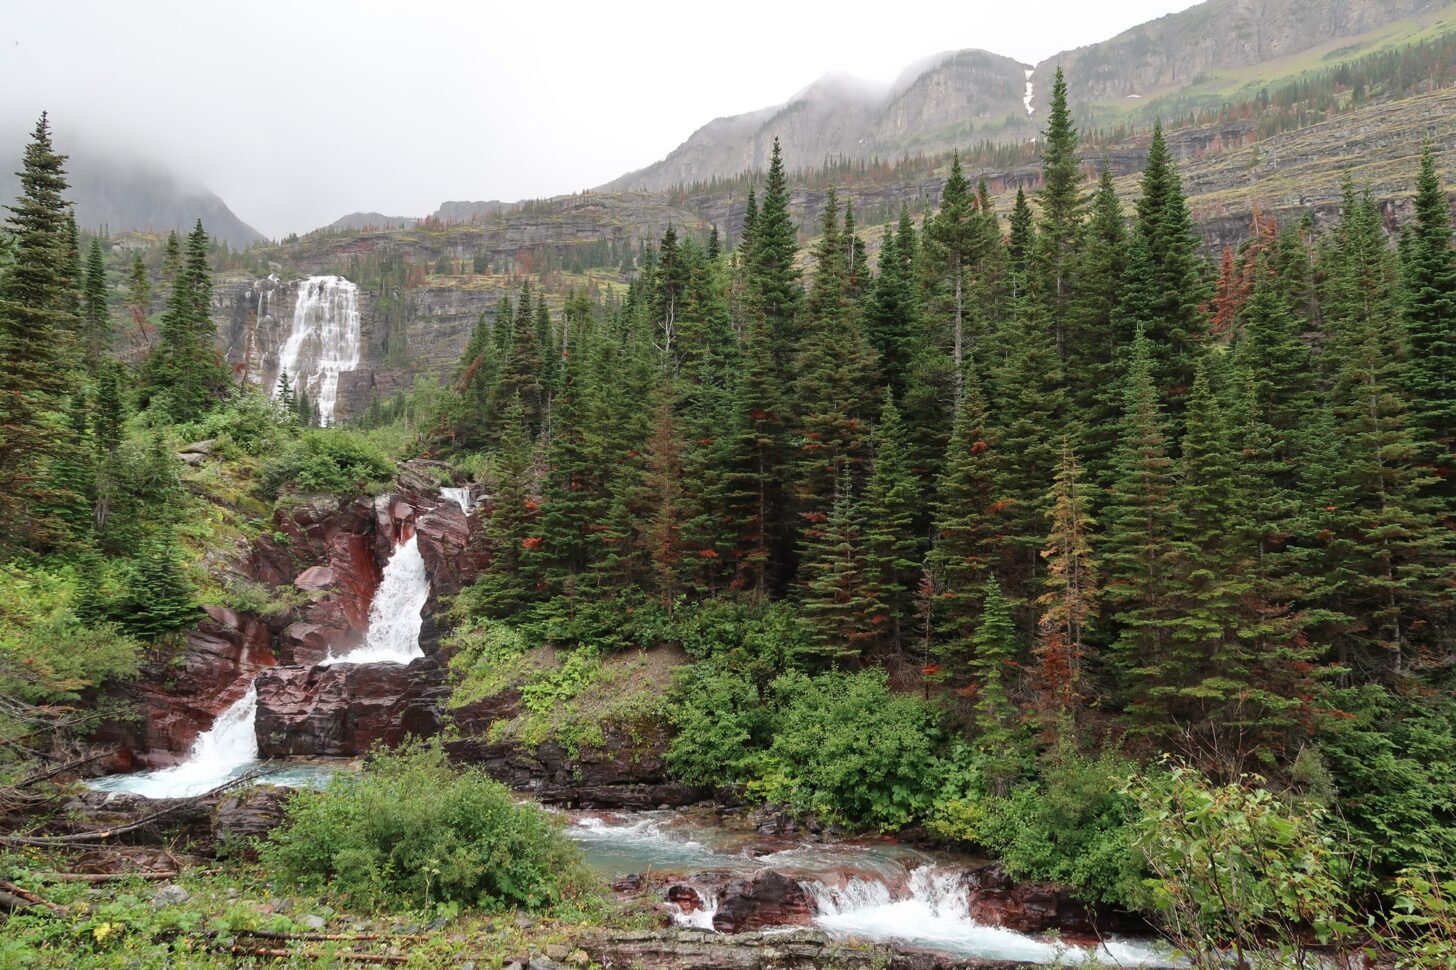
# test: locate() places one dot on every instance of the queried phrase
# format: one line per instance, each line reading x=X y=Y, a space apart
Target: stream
x=874 y=891
x=868 y=890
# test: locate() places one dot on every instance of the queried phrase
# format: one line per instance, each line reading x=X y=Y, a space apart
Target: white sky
x=298 y=112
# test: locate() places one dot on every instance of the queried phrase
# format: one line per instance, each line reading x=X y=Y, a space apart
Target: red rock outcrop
x=767 y=899
x=344 y=709
x=1028 y=907
x=222 y=654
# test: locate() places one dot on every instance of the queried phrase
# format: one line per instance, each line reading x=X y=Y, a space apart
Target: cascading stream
x=460 y=496
x=324 y=341
x=394 y=616
x=230 y=746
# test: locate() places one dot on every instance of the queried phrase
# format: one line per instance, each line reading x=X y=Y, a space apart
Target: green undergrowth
x=111 y=925
x=573 y=697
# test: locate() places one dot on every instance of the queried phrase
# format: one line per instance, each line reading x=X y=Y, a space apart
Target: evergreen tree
x=836 y=376
x=996 y=650
x=1174 y=284
x=753 y=494
x=1061 y=215
x=36 y=340
x=952 y=238
x=509 y=584
x=894 y=550
x=1069 y=604
x=107 y=420
x=159 y=599
x=1095 y=346
x=1429 y=310
x=891 y=323
x=520 y=376
x=839 y=600
x=139 y=293
x=968 y=527
x=1138 y=545
x=96 y=315
x=1395 y=580
x=774 y=290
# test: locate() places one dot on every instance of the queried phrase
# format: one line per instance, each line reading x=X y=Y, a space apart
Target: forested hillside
x=1044 y=537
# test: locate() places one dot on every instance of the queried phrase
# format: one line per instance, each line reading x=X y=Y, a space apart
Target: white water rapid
x=865 y=891
x=394 y=616
x=461 y=497
x=221 y=753
x=230 y=746
x=324 y=341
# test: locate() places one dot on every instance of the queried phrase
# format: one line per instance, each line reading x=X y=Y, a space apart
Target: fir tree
x=1429 y=310
x=520 y=377
x=773 y=278
x=1175 y=323
x=1139 y=543
x=996 y=650
x=36 y=342
x=894 y=550
x=839 y=600
x=1061 y=215
x=159 y=599
x=1072 y=591
x=891 y=322
x=952 y=237
x=96 y=315
x=509 y=583
x=139 y=294
x=968 y=526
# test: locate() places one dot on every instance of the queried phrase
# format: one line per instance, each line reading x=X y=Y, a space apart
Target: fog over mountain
x=296 y=114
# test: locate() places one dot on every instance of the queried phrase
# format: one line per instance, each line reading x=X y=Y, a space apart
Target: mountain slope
x=120 y=196
x=958 y=96
x=1202 y=55
x=1204 y=45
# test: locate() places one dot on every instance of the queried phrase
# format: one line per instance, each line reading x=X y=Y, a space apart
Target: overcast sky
x=298 y=112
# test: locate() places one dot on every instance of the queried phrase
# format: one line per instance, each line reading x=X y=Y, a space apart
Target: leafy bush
x=251 y=421
x=848 y=750
x=1425 y=920
x=329 y=460
x=1237 y=869
x=761 y=638
x=1075 y=825
x=484 y=659
x=721 y=724
x=414 y=830
x=46 y=653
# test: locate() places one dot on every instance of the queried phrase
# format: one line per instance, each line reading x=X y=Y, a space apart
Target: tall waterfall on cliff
x=394 y=616
x=324 y=341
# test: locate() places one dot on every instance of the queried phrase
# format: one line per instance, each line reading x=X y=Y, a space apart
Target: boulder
x=343 y=709
x=250 y=814
x=1028 y=907
x=767 y=899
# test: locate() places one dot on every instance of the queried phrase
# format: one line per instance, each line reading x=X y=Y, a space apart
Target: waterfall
x=394 y=616
x=324 y=341
x=224 y=751
x=460 y=496
x=230 y=746
x=1026 y=98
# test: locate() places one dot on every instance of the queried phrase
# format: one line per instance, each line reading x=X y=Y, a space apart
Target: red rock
x=315 y=578
x=768 y=899
x=344 y=709
x=1029 y=907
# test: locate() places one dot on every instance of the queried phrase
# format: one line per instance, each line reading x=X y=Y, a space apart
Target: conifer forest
x=997 y=572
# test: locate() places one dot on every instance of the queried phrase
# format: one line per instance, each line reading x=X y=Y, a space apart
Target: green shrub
x=413 y=830
x=1074 y=825
x=484 y=660
x=1237 y=869
x=848 y=750
x=328 y=460
x=251 y=421
x=760 y=638
x=720 y=726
